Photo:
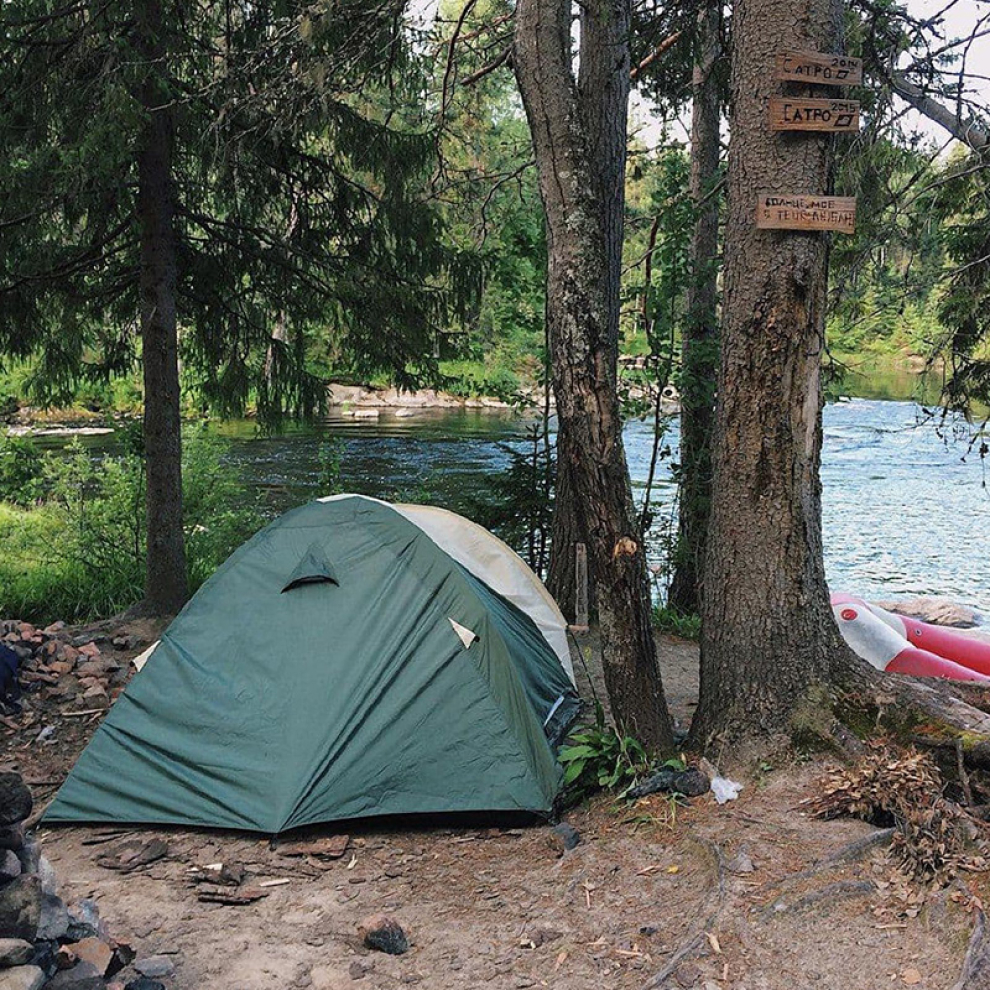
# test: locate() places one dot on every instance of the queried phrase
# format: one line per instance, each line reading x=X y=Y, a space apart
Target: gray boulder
x=10 y=865
x=15 y=952
x=53 y=922
x=12 y=836
x=82 y=976
x=21 y=978
x=20 y=908
x=15 y=799
x=29 y=854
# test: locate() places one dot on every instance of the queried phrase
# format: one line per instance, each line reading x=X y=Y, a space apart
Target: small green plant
x=328 y=470
x=669 y=620
x=598 y=758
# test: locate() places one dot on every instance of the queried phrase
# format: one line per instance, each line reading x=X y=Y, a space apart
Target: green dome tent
x=341 y=664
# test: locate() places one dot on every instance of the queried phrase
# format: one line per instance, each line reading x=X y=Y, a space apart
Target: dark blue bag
x=9 y=664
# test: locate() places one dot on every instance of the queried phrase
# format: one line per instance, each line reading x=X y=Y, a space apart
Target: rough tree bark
x=579 y=138
x=772 y=658
x=565 y=534
x=165 y=576
x=768 y=636
x=699 y=345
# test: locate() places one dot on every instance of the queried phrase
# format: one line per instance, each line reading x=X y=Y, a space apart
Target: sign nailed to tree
x=817 y=67
x=775 y=211
x=796 y=114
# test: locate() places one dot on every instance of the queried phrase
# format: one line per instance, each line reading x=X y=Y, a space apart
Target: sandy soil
x=648 y=889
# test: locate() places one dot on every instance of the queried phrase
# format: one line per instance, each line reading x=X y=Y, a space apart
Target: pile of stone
x=82 y=668
x=45 y=942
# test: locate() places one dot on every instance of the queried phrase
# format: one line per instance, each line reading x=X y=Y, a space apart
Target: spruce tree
x=181 y=181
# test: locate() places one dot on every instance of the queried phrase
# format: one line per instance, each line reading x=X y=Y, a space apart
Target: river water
x=906 y=510
x=905 y=506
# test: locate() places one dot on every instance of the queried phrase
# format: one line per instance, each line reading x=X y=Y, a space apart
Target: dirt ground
x=718 y=898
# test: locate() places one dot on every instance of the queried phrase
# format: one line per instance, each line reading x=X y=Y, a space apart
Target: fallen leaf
x=911 y=976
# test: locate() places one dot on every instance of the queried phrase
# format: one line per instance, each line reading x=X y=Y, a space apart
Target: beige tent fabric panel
x=499 y=566
x=494 y=562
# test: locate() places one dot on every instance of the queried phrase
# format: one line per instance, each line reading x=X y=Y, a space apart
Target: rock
x=12 y=836
x=740 y=863
x=539 y=936
x=10 y=866
x=15 y=799
x=565 y=837
x=21 y=978
x=153 y=966
x=54 y=921
x=939 y=611
x=46 y=874
x=384 y=934
x=84 y=921
x=46 y=957
x=30 y=855
x=690 y=783
x=143 y=983
x=82 y=976
x=357 y=970
x=93 y=951
x=96 y=697
x=20 y=908
x=15 y=951
x=687 y=975
x=123 y=956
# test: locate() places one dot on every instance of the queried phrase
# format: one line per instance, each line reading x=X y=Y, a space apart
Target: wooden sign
x=776 y=211
x=816 y=67
x=796 y=114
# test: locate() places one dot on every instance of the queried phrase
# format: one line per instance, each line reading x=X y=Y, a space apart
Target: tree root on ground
x=847 y=854
x=711 y=911
x=976 y=964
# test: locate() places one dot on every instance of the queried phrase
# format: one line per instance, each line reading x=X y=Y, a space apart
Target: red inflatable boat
x=902 y=645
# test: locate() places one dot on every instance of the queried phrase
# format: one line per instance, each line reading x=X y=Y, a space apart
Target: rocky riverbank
x=45 y=940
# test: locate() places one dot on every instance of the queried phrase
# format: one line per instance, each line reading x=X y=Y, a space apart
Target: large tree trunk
x=165 y=577
x=579 y=139
x=768 y=636
x=699 y=345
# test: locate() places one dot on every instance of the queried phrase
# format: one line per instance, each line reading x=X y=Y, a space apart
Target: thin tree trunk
x=768 y=636
x=579 y=138
x=699 y=345
x=165 y=578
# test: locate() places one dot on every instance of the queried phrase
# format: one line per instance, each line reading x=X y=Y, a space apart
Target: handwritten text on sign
x=795 y=212
x=787 y=114
x=816 y=67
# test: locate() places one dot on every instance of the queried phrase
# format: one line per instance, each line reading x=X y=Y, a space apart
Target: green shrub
x=80 y=553
x=20 y=470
